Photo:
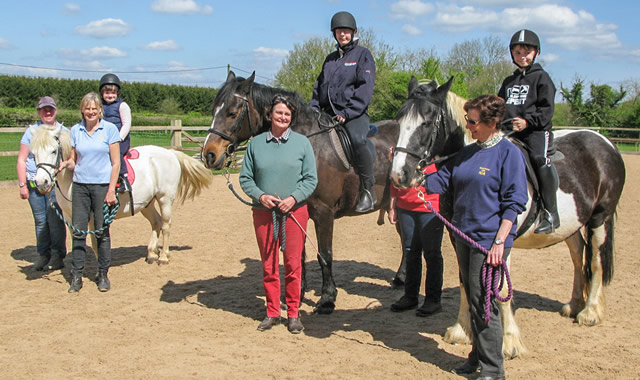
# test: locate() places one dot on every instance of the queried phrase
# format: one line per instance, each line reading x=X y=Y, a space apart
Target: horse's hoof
x=397 y=283
x=455 y=335
x=588 y=317
x=567 y=311
x=164 y=261
x=325 y=308
x=151 y=260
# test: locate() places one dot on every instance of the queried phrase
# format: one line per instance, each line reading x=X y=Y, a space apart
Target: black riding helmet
x=110 y=79
x=524 y=37
x=343 y=20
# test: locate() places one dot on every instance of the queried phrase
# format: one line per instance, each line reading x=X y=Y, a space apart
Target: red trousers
x=292 y=255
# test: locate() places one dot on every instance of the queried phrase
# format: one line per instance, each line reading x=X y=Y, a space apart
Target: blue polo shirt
x=93 y=162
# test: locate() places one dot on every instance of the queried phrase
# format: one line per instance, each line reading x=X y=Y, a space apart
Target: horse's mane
x=42 y=137
x=262 y=96
x=455 y=106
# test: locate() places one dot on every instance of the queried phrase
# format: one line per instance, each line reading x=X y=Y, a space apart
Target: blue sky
x=190 y=42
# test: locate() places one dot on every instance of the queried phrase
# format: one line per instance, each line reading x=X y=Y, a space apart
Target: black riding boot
x=364 y=168
x=548 y=181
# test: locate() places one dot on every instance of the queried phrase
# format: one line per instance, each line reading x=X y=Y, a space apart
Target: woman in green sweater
x=279 y=174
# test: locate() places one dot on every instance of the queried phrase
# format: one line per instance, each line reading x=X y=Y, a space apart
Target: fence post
x=176 y=134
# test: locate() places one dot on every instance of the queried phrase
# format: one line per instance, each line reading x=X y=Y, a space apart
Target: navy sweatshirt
x=488 y=185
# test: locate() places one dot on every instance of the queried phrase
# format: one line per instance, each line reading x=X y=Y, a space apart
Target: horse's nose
x=210 y=159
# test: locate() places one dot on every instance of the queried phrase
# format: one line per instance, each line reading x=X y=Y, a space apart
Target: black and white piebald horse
x=591 y=174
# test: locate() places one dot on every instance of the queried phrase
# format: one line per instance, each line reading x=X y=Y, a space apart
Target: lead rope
x=227 y=175
x=109 y=213
x=280 y=226
x=492 y=277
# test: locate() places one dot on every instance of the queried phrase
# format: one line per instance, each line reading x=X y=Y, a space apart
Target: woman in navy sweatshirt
x=489 y=188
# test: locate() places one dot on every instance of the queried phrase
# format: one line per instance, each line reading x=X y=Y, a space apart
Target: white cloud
x=410 y=9
x=71 y=8
x=4 y=44
x=168 y=45
x=94 y=65
x=184 y=7
x=263 y=53
x=505 y=3
x=108 y=27
x=100 y=52
x=549 y=58
x=564 y=27
x=460 y=19
x=411 y=30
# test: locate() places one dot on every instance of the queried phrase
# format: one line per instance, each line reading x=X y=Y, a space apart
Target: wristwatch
x=498 y=242
x=22 y=184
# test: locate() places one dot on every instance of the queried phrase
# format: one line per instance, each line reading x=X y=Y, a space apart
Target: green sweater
x=282 y=169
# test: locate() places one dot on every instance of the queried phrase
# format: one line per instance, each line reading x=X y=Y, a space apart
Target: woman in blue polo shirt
x=95 y=160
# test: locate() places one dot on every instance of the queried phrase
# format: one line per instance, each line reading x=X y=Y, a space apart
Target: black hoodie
x=531 y=96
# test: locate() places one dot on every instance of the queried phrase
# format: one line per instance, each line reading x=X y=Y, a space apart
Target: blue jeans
x=51 y=234
x=421 y=234
x=87 y=199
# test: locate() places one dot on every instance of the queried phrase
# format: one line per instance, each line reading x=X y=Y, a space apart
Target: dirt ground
x=197 y=316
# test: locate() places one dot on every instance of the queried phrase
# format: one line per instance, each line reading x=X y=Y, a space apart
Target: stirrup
x=548 y=224
x=366 y=201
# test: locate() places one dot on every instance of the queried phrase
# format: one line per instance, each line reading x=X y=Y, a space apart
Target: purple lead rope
x=492 y=279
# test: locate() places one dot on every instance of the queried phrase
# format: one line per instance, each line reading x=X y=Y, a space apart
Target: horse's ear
x=231 y=76
x=244 y=88
x=442 y=91
x=413 y=83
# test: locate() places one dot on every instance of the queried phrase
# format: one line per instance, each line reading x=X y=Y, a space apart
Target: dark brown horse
x=239 y=114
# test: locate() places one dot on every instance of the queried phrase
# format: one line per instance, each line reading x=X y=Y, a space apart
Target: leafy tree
x=600 y=109
x=302 y=66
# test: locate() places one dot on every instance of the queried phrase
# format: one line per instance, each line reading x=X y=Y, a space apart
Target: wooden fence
x=180 y=135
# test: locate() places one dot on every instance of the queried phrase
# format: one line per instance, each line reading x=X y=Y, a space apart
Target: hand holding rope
x=109 y=212
x=492 y=276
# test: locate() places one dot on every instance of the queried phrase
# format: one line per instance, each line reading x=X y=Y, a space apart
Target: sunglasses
x=471 y=121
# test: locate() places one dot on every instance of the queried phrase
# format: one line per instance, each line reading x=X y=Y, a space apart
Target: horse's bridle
x=424 y=159
x=45 y=165
x=237 y=125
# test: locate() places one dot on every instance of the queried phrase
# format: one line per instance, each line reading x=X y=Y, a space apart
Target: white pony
x=161 y=176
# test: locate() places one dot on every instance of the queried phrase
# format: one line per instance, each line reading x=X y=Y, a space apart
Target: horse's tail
x=194 y=178
x=606 y=251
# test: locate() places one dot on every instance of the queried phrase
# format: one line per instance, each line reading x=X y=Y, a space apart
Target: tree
x=302 y=66
x=600 y=109
x=484 y=63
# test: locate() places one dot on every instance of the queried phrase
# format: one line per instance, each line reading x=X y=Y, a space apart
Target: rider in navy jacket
x=345 y=85
x=344 y=90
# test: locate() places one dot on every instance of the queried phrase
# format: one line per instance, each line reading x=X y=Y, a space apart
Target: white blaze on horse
x=161 y=176
x=591 y=174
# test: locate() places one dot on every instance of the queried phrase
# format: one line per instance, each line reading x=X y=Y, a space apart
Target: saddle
x=533 y=215
x=132 y=154
x=341 y=143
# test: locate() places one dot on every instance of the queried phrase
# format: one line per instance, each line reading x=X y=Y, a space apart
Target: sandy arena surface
x=197 y=317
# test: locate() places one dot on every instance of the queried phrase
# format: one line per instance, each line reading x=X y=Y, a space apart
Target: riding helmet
x=525 y=37
x=110 y=79
x=343 y=20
